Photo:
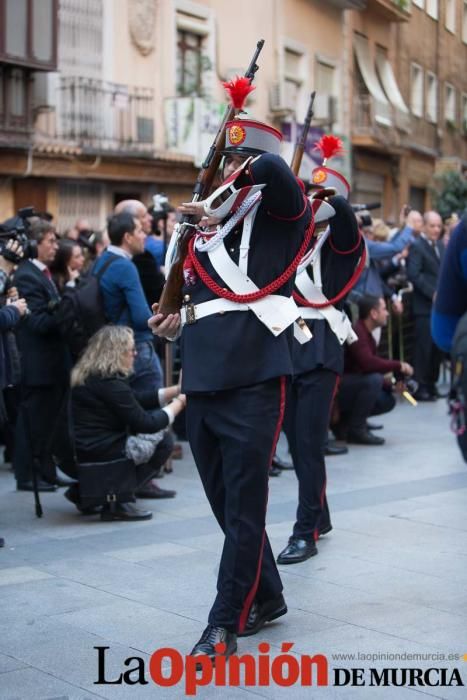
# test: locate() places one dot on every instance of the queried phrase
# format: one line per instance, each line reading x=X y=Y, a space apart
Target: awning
x=367 y=69
x=391 y=88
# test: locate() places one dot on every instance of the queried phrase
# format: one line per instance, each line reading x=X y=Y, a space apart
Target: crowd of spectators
x=58 y=412
x=400 y=281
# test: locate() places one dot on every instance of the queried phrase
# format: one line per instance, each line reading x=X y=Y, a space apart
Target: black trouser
x=427 y=357
x=232 y=435
x=38 y=411
x=362 y=396
x=306 y=424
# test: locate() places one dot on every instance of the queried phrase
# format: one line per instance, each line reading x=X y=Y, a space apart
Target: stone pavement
x=390 y=578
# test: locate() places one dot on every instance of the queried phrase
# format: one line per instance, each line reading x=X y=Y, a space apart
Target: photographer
x=44 y=363
x=163 y=224
x=371 y=281
x=11 y=312
x=363 y=391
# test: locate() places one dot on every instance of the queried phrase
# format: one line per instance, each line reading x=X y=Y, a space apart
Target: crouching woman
x=111 y=421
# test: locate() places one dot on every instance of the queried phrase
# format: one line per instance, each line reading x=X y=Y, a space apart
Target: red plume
x=329 y=146
x=238 y=89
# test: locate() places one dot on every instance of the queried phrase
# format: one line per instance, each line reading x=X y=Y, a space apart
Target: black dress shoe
x=274 y=471
x=211 y=636
x=324 y=529
x=124 y=511
x=281 y=463
x=296 y=551
x=260 y=613
x=374 y=426
x=364 y=437
x=152 y=490
x=42 y=486
x=332 y=449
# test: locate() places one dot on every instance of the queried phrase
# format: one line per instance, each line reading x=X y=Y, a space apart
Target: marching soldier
x=238 y=322
x=323 y=279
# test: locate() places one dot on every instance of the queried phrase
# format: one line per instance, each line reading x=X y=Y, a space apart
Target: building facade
x=408 y=99
x=108 y=99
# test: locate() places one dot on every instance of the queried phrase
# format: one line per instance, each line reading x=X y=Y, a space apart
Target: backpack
x=458 y=391
x=81 y=310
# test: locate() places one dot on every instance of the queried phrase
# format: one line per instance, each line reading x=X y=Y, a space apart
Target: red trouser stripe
x=251 y=595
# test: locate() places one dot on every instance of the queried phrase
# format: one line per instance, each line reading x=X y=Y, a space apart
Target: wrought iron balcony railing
x=386 y=132
x=97 y=115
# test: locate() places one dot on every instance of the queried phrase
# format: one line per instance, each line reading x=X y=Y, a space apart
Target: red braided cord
x=301 y=301
x=261 y=293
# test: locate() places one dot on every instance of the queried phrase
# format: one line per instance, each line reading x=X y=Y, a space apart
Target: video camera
x=362 y=211
x=159 y=210
x=17 y=228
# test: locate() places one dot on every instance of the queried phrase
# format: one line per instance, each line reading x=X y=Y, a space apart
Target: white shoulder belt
x=338 y=321
x=276 y=312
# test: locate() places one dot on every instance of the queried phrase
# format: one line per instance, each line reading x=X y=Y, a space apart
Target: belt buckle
x=190 y=314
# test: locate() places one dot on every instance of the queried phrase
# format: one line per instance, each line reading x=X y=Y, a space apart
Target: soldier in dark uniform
x=320 y=291
x=238 y=325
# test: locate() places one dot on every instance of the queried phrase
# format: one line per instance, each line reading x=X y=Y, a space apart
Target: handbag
x=107 y=482
x=141 y=447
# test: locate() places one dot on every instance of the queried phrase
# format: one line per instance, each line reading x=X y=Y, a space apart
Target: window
x=431 y=97
x=432 y=8
x=28 y=32
x=450 y=19
x=17 y=93
x=325 y=78
x=416 y=90
x=195 y=60
x=189 y=63
x=464 y=23
x=419 y=3
x=293 y=78
x=464 y=113
x=42 y=38
x=450 y=104
x=16 y=28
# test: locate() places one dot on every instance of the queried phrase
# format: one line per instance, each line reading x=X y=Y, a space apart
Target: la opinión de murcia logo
x=167 y=667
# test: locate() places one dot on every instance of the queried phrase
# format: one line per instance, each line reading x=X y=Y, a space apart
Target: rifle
x=301 y=143
x=171 y=298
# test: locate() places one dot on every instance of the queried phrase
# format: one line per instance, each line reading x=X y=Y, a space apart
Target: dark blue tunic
x=235 y=349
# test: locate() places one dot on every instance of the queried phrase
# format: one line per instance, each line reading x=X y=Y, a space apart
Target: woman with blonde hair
x=112 y=421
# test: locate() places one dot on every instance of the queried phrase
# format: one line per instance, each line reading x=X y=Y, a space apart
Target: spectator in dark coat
x=45 y=364
x=106 y=411
x=423 y=266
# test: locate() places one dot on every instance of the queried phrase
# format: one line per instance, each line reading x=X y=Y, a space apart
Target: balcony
x=370 y=131
x=391 y=10
x=97 y=116
x=348 y=4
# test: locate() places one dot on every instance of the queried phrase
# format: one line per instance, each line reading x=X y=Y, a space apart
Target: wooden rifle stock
x=301 y=143
x=171 y=297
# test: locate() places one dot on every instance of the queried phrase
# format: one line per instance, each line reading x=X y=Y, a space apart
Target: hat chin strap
x=227 y=206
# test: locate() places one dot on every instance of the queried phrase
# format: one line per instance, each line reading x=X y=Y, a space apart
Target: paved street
x=390 y=578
